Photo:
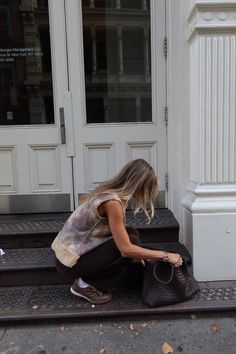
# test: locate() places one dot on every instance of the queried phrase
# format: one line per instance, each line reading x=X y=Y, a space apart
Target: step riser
x=51 y=277
x=31 y=277
x=27 y=240
x=45 y=240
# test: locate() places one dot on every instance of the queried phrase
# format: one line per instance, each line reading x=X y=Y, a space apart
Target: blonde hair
x=136 y=179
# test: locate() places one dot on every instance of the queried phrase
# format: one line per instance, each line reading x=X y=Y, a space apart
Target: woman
x=94 y=248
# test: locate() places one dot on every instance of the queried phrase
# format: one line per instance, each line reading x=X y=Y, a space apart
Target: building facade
x=88 y=85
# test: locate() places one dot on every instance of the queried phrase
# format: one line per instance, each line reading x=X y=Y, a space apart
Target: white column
x=144 y=4
x=118 y=4
x=91 y=3
x=120 y=48
x=94 y=52
x=210 y=203
x=138 y=108
x=146 y=54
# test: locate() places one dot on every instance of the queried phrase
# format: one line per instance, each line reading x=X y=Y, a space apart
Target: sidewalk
x=187 y=334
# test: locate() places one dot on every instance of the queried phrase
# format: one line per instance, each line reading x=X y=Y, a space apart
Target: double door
x=84 y=92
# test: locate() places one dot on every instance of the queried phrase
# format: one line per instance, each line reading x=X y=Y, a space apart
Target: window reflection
x=117 y=59
x=25 y=63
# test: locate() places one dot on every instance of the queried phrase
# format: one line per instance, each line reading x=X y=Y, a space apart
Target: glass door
x=35 y=164
x=117 y=81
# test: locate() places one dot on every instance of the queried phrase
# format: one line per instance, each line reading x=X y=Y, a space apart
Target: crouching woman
x=94 y=248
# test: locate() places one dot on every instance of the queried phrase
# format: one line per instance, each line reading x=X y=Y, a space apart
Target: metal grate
x=28 y=224
x=32 y=226
x=27 y=257
x=216 y=294
x=56 y=301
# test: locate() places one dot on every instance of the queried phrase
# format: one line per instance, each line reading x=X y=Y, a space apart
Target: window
x=26 y=95
x=117 y=62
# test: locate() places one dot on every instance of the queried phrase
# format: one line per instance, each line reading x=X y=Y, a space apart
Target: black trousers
x=103 y=267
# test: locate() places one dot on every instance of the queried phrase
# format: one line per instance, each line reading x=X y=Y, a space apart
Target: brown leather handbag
x=164 y=284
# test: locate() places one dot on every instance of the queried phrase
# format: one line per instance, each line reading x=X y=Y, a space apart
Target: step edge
x=121 y=312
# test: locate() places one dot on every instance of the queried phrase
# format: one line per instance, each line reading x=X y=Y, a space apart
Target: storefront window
x=117 y=59
x=26 y=95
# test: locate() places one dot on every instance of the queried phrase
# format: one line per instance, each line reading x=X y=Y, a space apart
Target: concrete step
x=56 y=302
x=39 y=230
x=35 y=266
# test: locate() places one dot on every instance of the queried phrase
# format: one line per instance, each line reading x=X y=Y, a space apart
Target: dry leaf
x=167 y=348
x=131 y=327
x=102 y=351
x=193 y=317
x=62 y=328
x=215 y=327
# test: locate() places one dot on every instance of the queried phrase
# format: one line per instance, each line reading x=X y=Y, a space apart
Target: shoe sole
x=86 y=298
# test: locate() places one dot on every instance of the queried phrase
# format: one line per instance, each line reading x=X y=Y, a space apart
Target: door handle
x=62 y=125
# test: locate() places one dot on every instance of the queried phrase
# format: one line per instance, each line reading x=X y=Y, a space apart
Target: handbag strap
x=158 y=279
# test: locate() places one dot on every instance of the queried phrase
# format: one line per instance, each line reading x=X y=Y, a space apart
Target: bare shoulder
x=112 y=205
x=113 y=208
x=110 y=208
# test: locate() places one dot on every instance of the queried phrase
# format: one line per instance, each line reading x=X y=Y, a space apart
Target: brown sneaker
x=90 y=293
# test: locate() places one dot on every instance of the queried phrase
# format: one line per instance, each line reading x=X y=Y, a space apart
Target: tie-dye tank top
x=83 y=231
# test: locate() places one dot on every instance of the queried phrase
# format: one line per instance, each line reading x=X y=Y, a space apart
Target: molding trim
x=210 y=199
x=211 y=16
x=211 y=206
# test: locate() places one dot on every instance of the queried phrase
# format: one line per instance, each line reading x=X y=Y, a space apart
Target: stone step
x=56 y=302
x=39 y=230
x=35 y=266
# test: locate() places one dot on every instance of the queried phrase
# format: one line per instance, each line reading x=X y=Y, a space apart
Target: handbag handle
x=156 y=276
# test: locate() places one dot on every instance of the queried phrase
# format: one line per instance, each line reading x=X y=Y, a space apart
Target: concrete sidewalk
x=187 y=334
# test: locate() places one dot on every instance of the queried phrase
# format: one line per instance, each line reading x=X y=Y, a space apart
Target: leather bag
x=164 y=284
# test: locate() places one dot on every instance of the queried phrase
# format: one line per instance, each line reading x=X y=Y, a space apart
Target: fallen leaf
x=193 y=317
x=62 y=327
x=215 y=327
x=144 y=325
x=167 y=348
x=131 y=327
x=102 y=350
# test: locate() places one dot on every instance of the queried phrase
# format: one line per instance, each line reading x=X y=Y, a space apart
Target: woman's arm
x=113 y=210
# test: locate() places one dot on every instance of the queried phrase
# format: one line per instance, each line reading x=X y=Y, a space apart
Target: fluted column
x=118 y=4
x=146 y=54
x=94 y=52
x=144 y=4
x=120 y=48
x=138 y=108
x=210 y=202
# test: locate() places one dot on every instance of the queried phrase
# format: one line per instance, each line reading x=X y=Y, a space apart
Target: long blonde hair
x=136 y=180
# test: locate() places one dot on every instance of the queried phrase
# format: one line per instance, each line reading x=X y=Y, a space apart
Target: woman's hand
x=175 y=259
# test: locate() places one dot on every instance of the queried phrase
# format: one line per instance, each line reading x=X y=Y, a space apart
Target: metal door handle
x=62 y=125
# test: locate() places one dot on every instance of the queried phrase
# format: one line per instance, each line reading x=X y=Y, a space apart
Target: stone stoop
x=26 y=240
x=32 y=289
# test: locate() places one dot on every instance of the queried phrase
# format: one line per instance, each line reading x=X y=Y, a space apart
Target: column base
x=210 y=234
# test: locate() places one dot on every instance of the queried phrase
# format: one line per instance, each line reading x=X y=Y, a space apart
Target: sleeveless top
x=83 y=231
